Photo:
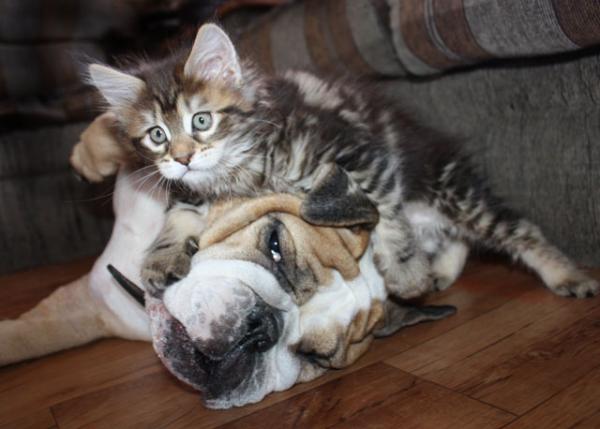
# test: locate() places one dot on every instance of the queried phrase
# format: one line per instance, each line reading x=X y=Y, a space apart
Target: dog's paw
x=98 y=154
x=166 y=265
x=579 y=287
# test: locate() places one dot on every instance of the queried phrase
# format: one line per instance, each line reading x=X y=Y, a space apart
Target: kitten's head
x=188 y=116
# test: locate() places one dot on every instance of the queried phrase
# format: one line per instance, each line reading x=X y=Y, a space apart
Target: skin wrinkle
x=330 y=344
x=323 y=247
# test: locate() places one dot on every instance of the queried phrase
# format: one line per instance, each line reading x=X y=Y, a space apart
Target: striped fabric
x=418 y=37
x=333 y=36
x=434 y=35
x=44 y=43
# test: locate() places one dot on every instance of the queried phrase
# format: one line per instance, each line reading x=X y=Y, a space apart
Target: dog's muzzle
x=225 y=336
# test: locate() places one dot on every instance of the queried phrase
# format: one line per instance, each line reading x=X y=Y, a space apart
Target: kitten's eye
x=274 y=247
x=202 y=121
x=157 y=135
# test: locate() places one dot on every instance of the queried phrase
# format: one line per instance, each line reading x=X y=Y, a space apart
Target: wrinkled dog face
x=269 y=303
x=261 y=308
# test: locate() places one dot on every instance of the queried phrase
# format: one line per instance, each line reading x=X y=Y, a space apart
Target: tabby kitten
x=215 y=127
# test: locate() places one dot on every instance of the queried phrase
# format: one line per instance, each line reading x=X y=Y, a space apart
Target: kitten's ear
x=213 y=57
x=118 y=88
x=335 y=200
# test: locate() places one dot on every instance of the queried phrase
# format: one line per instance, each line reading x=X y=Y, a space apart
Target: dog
x=270 y=299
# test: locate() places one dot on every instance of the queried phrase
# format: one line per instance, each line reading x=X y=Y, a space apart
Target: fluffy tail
x=67 y=318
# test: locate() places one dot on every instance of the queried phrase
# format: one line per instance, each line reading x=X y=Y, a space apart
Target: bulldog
x=270 y=300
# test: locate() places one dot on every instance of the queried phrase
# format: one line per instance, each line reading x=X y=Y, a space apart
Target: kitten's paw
x=409 y=279
x=168 y=264
x=579 y=287
x=441 y=283
x=412 y=290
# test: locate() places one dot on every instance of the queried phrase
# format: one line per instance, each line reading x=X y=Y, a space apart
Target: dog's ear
x=335 y=200
x=397 y=315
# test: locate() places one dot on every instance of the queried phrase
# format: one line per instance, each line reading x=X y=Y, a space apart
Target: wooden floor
x=514 y=356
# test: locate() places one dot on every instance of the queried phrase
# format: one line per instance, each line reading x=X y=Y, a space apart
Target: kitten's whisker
x=147 y=178
x=137 y=179
x=143 y=180
x=156 y=187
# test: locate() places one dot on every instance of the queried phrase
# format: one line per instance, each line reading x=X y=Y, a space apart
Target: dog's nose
x=257 y=333
x=264 y=328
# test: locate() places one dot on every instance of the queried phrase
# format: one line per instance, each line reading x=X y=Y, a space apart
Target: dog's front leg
x=99 y=152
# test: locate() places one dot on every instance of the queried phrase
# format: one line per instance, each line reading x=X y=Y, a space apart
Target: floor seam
x=554 y=395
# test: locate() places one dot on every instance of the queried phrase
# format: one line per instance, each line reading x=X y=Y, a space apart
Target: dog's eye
x=274 y=246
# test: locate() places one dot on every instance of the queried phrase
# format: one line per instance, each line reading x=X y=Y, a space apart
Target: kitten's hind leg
x=400 y=259
x=448 y=264
x=557 y=271
x=438 y=237
x=487 y=222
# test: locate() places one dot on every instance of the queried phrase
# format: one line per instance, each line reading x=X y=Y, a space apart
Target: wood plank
x=476 y=292
x=576 y=407
x=178 y=405
x=588 y=422
x=321 y=406
x=532 y=365
x=44 y=382
x=41 y=419
x=516 y=356
x=22 y=290
x=352 y=401
x=427 y=405
x=93 y=386
x=446 y=350
x=468 y=295
x=148 y=400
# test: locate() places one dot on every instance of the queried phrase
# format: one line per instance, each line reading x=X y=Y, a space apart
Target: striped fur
x=272 y=134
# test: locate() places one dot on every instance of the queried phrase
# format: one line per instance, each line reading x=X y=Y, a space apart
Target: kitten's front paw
x=166 y=265
x=579 y=287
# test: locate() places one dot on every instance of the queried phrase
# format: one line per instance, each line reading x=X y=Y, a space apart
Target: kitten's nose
x=184 y=159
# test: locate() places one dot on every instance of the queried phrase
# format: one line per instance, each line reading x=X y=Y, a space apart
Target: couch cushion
x=418 y=37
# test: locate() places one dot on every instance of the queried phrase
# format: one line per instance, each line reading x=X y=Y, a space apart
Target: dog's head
x=272 y=300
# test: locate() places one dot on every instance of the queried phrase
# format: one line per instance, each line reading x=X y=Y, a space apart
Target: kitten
x=213 y=127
